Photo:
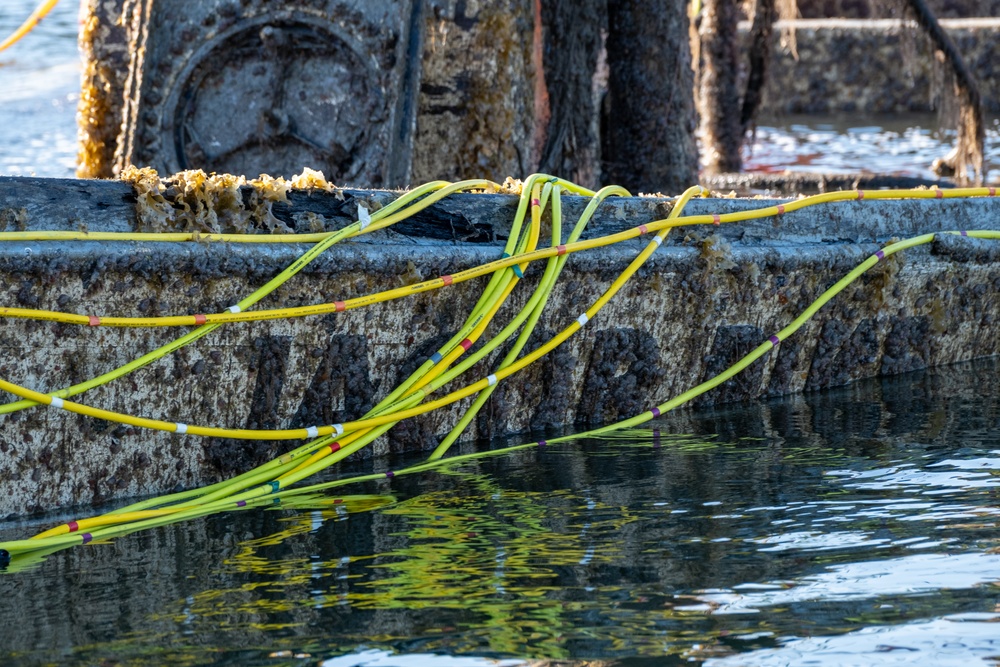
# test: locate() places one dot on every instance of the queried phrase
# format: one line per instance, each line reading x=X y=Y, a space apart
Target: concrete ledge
x=709 y=296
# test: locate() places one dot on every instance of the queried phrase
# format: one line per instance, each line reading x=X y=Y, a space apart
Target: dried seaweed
x=193 y=201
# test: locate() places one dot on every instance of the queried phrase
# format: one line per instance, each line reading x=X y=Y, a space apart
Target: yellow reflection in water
x=520 y=571
x=498 y=556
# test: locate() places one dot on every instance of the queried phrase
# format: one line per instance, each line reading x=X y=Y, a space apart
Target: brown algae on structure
x=193 y=201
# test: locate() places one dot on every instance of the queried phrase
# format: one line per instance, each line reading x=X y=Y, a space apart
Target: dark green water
x=857 y=526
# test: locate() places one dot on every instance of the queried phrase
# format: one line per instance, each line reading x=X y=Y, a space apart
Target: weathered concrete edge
x=75 y=205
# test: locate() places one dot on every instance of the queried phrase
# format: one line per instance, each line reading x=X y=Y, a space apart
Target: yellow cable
x=36 y=17
x=484 y=269
x=59 y=538
x=313 y=432
x=316 y=431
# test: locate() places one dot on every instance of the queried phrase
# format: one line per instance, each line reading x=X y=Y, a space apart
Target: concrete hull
x=705 y=299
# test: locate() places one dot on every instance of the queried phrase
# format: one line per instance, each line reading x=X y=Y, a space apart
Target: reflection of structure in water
x=546 y=543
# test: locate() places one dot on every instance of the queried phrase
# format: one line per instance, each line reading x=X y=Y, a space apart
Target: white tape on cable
x=364 y=217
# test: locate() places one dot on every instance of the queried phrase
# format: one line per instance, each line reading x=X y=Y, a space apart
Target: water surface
x=855 y=526
x=40 y=80
x=899 y=144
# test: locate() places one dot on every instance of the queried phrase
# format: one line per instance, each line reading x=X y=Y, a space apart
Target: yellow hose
x=36 y=17
x=330 y=443
x=476 y=272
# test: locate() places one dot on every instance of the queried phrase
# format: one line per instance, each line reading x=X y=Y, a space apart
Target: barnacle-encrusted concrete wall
x=863 y=9
x=179 y=85
x=708 y=296
x=875 y=66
